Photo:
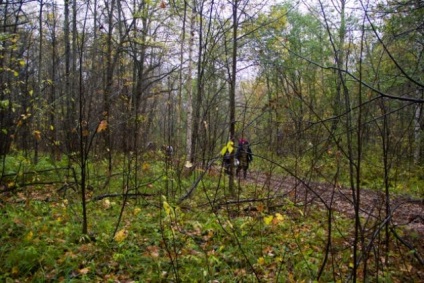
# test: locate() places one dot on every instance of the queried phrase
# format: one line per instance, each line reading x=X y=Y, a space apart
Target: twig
x=409 y=246
x=100 y=197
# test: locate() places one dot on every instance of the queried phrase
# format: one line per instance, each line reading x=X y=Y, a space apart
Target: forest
x=115 y=117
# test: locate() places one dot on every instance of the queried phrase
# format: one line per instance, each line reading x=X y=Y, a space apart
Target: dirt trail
x=406 y=212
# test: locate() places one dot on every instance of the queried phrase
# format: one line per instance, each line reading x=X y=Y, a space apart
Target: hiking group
x=242 y=157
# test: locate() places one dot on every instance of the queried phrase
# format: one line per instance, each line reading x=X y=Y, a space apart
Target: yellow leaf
x=102 y=126
x=261 y=261
x=14 y=39
x=224 y=150
x=15 y=270
x=279 y=217
x=228 y=147
x=29 y=236
x=145 y=166
x=136 y=211
x=268 y=219
x=167 y=208
x=85 y=133
x=37 y=135
x=121 y=235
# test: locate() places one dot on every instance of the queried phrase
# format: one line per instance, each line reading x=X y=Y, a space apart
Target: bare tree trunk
x=87 y=135
x=67 y=121
x=40 y=76
x=199 y=89
x=108 y=82
x=180 y=78
x=417 y=132
x=342 y=104
x=232 y=94
x=52 y=98
x=189 y=86
x=386 y=152
x=82 y=122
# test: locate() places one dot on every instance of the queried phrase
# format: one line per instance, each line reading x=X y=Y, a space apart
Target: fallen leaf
x=84 y=270
x=260 y=207
x=153 y=251
x=106 y=203
x=261 y=261
x=121 y=235
x=136 y=211
x=268 y=219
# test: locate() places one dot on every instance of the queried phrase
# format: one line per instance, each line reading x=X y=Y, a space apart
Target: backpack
x=244 y=152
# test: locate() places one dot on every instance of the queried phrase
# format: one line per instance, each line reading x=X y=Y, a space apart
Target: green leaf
x=4 y=104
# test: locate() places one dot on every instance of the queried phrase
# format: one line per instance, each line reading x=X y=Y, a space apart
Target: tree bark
x=232 y=94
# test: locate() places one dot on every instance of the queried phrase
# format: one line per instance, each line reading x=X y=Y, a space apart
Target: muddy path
x=405 y=212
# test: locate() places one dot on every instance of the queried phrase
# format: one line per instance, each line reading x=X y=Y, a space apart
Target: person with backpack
x=227 y=152
x=244 y=156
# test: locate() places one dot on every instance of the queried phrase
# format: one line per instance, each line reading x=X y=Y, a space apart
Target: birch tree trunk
x=180 y=78
x=189 y=86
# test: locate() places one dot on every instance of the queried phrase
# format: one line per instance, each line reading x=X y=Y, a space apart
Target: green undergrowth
x=211 y=236
x=158 y=241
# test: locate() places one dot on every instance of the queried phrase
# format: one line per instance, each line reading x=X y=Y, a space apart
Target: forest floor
x=407 y=213
x=43 y=240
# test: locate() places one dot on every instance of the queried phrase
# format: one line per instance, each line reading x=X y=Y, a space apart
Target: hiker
x=168 y=150
x=227 y=152
x=244 y=156
x=151 y=146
